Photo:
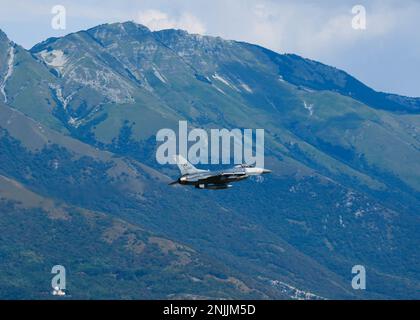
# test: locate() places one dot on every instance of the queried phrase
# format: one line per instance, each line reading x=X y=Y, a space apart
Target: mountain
x=108 y=258
x=78 y=127
x=71 y=172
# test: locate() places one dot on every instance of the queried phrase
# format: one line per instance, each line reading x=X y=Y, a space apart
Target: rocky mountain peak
x=3 y=36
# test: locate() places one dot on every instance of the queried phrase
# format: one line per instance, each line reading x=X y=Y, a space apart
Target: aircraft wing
x=220 y=178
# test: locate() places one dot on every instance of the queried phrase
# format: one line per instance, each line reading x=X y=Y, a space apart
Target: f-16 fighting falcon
x=205 y=179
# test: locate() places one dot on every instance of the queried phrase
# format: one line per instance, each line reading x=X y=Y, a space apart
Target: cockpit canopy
x=244 y=165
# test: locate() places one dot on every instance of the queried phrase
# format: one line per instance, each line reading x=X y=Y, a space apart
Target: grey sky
x=386 y=55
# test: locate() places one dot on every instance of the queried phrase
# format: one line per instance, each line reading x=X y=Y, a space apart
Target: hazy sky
x=386 y=55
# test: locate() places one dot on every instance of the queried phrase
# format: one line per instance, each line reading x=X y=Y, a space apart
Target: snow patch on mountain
x=59 y=95
x=74 y=122
x=54 y=58
x=218 y=89
x=306 y=89
x=224 y=81
x=216 y=76
x=107 y=83
x=159 y=75
x=9 y=72
x=64 y=101
x=246 y=87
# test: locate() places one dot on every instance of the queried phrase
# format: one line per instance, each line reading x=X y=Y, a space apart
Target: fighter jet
x=205 y=179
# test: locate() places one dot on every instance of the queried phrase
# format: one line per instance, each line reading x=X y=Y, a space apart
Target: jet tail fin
x=184 y=166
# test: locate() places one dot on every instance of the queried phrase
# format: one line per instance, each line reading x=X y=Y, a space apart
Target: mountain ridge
x=398 y=103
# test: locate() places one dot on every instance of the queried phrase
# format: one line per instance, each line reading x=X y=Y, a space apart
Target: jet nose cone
x=266 y=171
